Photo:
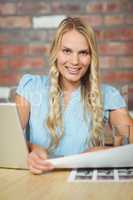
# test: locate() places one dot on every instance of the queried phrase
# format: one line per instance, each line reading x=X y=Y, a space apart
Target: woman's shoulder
x=33 y=80
x=106 y=88
x=110 y=91
x=30 y=84
x=112 y=98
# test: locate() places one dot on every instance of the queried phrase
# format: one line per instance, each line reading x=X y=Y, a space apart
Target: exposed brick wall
x=27 y=28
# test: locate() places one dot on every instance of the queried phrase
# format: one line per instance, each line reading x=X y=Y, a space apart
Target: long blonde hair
x=90 y=83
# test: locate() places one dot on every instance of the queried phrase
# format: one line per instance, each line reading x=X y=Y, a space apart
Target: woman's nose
x=75 y=59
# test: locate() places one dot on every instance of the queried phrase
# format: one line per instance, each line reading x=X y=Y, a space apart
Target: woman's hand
x=36 y=160
x=120 y=117
x=97 y=148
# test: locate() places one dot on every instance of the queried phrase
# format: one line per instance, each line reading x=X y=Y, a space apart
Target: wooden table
x=22 y=185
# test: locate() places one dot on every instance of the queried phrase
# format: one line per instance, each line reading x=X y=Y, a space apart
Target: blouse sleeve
x=112 y=100
x=26 y=86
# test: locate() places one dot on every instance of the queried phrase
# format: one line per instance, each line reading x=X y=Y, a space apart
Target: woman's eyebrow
x=64 y=47
x=84 y=50
x=81 y=50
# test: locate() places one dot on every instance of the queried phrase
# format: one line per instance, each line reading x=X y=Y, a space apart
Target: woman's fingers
x=92 y=149
x=37 y=163
x=34 y=170
x=42 y=154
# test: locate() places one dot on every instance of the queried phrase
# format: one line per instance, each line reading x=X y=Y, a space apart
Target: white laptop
x=13 y=148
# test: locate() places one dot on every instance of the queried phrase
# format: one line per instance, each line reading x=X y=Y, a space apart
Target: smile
x=72 y=70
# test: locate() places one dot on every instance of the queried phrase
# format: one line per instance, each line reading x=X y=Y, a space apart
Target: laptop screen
x=13 y=148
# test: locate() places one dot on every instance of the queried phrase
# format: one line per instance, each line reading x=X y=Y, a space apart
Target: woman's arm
x=118 y=117
x=23 y=107
x=121 y=117
x=37 y=155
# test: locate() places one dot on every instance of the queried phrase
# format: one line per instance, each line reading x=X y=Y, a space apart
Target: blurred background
x=27 y=28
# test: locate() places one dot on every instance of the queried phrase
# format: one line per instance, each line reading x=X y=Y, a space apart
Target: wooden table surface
x=22 y=185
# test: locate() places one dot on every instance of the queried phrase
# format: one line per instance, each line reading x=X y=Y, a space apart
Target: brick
x=112 y=7
x=126 y=61
x=26 y=36
x=14 y=36
x=38 y=35
x=130 y=104
x=129 y=19
x=130 y=94
x=61 y=7
x=130 y=6
x=102 y=7
x=107 y=61
x=99 y=34
x=20 y=49
x=118 y=34
x=113 y=20
x=115 y=77
x=15 y=22
x=93 y=20
x=37 y=49
x=33 y=35
x=27 y=63
x=31 y=7
x=94 y=7
x=116 y=48
x=130 y=98
x=13 y=50
x=4 y=37
x=7 y=8
x=47 y=21
x=3 y=64
x=130 y=89
x=9 y=79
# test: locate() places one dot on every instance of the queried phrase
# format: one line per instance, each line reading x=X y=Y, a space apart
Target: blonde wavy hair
x=90 y=84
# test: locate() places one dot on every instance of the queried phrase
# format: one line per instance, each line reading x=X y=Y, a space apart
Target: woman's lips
x=72 y=70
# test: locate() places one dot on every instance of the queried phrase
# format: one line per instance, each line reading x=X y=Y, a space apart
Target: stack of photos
x=101 y=175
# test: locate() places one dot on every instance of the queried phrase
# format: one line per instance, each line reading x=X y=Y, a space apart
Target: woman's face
x=73 y=57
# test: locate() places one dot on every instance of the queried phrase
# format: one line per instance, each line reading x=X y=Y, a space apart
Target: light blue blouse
x=76 y=129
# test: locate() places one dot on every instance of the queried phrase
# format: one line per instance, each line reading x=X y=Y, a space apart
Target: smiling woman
x=66 y=111
x=73 y=59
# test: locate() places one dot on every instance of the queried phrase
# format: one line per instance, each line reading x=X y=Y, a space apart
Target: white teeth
x=73 y=70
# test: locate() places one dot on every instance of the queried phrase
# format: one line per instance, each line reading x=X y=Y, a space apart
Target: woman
x=66 y=110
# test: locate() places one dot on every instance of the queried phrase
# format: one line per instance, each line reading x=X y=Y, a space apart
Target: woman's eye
x=66 y=51
x=84 y=53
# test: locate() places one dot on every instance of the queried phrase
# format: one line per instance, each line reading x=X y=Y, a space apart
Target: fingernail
x=51 y=167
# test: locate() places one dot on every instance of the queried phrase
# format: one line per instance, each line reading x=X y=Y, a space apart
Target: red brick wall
x=24 y=48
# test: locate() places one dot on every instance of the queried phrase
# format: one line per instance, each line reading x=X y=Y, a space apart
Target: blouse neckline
x=74 y=95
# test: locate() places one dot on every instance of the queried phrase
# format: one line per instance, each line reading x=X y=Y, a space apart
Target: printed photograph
x=105 y=174
x=125 y=173
x=84 y=174
x=99 y=175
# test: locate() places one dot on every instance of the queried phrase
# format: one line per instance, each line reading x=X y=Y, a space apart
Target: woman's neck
x=69 y=87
